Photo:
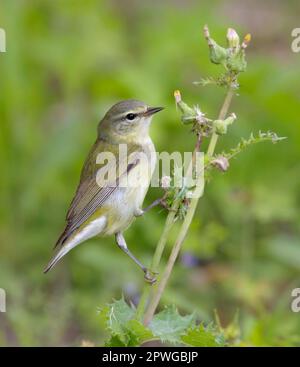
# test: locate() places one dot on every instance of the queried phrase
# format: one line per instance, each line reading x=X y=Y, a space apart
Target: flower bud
x=246 y=41
x=221 y=163
x=217 y=53
x=177 y=96
x=233 y=38
x=165 y=182
x=188 y=113
x=237 y=62
x=230 y=119
x=221 y=125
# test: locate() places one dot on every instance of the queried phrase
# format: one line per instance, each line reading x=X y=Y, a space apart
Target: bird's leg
x=149 y=276
x=140 y=212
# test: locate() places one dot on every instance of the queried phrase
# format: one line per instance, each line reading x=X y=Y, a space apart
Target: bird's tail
x=57 y=257
x=65 y=244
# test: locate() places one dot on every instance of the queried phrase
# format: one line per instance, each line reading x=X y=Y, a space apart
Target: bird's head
x=127 y=119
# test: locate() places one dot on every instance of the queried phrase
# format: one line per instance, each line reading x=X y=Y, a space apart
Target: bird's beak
x=151 y=110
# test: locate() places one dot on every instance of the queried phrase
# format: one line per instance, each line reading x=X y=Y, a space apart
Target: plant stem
x=156 y=258
x=163 y=240
x=187 y=220
x=222 y=115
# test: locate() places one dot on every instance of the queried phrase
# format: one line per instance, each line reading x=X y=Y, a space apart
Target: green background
x=66 y=63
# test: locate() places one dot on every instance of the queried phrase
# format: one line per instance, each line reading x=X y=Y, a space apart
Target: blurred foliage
x=66 y=63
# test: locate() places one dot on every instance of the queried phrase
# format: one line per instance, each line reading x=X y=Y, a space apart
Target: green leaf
x=118 y=341
x=119 y=314
x=124 y=329
x=116 y=316
x=244 y=143
x=141 y=332
x=169 y=326
x=202 y=337
x=115 y=341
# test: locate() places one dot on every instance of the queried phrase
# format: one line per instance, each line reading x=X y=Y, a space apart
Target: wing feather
x=92 y=191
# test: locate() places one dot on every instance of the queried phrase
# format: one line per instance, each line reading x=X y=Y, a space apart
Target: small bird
x=106 y=202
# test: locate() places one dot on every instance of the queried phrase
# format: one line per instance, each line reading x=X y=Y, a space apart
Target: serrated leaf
x=119 y=314
x=115 y=341
x=141 y=332
x=124 y=329
x=244 y=143
x=132 y=339
x=202 y=337
x=116 y=316
x=118 y=341
x=103 y=314
x=169 y=326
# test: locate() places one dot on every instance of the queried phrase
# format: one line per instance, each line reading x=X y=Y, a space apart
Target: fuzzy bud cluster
x=232 y=56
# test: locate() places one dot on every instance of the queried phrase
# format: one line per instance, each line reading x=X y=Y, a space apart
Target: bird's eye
x=130 y=116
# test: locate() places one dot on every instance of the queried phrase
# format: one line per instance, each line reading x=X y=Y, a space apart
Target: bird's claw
x=150 y=276
x=139 y=213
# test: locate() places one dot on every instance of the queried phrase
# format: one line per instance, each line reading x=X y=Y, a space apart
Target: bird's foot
x=150 y=276
x=160 y=201
x=139 y=212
